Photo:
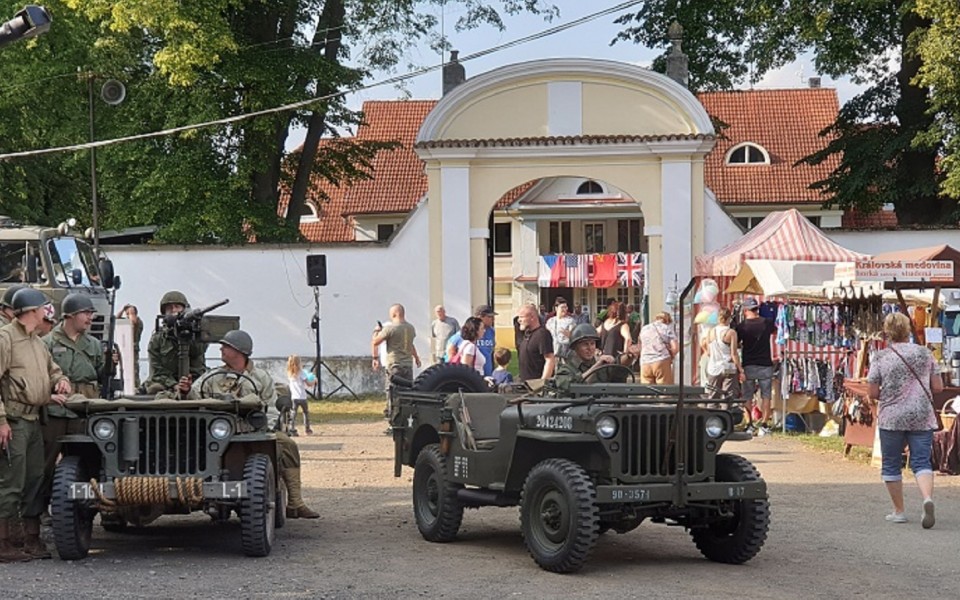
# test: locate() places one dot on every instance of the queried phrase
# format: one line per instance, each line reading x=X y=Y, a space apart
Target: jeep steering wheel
x=629 y=371
x=217 y=371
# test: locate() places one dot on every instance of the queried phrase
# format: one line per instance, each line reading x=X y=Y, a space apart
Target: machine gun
x=193 y=326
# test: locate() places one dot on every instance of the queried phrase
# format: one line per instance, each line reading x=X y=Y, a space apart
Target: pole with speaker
x=317 y=278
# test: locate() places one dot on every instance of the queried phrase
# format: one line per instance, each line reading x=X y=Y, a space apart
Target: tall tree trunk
x=329 y=28
x=917 y=169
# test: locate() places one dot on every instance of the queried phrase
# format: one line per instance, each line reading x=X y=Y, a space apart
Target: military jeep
x=597 y=457
x=142 y=457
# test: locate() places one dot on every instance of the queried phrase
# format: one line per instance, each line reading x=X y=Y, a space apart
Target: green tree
x=888 y=136
x=189 y=62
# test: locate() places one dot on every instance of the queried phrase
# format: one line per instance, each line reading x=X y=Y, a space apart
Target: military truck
x=57 y=262
x=600 y=457
x=142 y=457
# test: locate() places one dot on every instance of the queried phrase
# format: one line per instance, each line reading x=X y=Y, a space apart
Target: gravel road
x=828 y=538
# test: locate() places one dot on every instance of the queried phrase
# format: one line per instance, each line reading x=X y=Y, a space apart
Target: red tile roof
x=512 y=196
x=786 y=123
x=333 y=226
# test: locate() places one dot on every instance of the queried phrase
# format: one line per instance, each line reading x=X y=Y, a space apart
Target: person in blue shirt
x=486 y=344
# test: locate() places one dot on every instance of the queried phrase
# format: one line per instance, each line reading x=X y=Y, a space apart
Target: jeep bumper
x=693 y=492
x=222 y=490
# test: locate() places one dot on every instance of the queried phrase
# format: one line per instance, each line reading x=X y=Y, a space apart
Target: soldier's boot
x=16 y=532
x=33 y=546
x=9 y=553
x=296 y=507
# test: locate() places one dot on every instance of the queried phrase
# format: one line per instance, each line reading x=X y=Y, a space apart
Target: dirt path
x=828 y=539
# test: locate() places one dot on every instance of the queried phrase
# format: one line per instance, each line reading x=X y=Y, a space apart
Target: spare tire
x=450 y=378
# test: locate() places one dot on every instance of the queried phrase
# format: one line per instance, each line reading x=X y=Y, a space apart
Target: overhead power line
x=304 y=103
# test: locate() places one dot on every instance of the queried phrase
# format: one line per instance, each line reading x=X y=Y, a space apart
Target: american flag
x=630 y=269
x=576 y=270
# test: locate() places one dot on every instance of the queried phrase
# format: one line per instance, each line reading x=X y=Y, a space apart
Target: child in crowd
x=299 y=379
x=501 y=375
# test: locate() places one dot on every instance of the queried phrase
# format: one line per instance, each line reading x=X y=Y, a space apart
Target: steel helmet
x=28 y=299
x=173 y=297
x=76 y=303
x=584 y=331
x=239 y=340
x=7 y=301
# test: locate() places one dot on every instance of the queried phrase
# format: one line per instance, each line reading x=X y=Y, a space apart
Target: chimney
x=453 y=73
x=677 y=62
x=813 y=82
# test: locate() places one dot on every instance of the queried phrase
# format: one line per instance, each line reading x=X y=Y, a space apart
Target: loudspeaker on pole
x=316 y=270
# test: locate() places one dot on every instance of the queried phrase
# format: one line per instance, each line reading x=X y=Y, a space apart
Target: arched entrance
x=594 y=120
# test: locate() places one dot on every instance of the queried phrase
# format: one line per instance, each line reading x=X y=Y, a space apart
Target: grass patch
x=835 y=444
x=368 y=408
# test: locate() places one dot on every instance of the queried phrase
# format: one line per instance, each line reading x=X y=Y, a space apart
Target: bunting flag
x=551 y=271
x=604 y=270
x=576 y=267
x=630 y=269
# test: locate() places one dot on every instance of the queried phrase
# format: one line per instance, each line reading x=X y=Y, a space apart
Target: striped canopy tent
x=785 y=235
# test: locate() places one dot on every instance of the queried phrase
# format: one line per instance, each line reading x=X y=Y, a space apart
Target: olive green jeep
x=142 y=457
x=598 y=457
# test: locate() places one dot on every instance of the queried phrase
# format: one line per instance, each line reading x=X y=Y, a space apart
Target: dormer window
x=310 y=214
x=589 y=187
x=747 y=154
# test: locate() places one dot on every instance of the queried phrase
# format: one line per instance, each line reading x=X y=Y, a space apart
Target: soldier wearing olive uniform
x=29 y=380
x=235 y=350
x=582 y=364
x=163 y=350
x=80 y=357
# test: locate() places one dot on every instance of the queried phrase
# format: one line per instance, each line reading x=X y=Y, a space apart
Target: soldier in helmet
x=582 y=361
x=163 y=350
x=6 y=303
x=235 y=350
x=80 y=357
x=29 y=380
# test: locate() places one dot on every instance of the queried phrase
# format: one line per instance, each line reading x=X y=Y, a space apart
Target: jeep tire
x=558 y=515
x=739 y=538
x=435 y=505
x=72 y=519
x=257 y=514
x=450 y=378
x=280 y=513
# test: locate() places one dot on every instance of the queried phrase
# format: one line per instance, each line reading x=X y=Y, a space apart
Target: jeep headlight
x=220 y=429
x=606 y=427
x=713 y=426
x=104 y=429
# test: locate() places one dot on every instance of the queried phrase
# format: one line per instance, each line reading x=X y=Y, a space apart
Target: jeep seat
x=483 y=415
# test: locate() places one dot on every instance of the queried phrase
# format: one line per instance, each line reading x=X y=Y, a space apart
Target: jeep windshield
x=73 y=262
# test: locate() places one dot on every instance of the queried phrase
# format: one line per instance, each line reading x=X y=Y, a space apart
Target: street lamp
x=29 y=22
x=111 y=93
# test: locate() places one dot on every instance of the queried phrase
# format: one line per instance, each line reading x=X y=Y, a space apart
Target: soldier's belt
x=15 y=408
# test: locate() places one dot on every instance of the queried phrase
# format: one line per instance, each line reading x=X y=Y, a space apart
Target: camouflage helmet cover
x=173 y=297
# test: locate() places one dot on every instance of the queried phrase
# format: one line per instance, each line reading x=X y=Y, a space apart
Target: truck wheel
x=257 y=520
x=282 y=500
x=558 y=515
x=450 y=378
x=72 y=519
x=435 y=504
x=737 y=539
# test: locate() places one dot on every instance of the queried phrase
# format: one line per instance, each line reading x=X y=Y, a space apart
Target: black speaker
x=316 y=269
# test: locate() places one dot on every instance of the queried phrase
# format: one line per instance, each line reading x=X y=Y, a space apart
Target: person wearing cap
x=582 y=363
x=6 y=303
x=754 y=333
x=441 y=329
x=235 y=350
x=163 y=349
x=29 y=380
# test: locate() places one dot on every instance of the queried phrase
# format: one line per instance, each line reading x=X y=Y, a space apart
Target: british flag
x=576 y=267
x=630 y=269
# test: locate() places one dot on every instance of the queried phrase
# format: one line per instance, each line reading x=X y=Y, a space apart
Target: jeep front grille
x=172 y=445
x=645 y=440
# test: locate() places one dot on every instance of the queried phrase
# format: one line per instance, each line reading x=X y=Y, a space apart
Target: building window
x=501 y=238
x=384 y=232
x=628 y=235
x=589 y=187
x=560 y=237
x=593 y=238
x=814 y=220
x=748 y=154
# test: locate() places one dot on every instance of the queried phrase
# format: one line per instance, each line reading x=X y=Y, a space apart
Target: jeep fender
x=534 y=446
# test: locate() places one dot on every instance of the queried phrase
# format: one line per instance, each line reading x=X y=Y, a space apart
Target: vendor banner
x=901 y=270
